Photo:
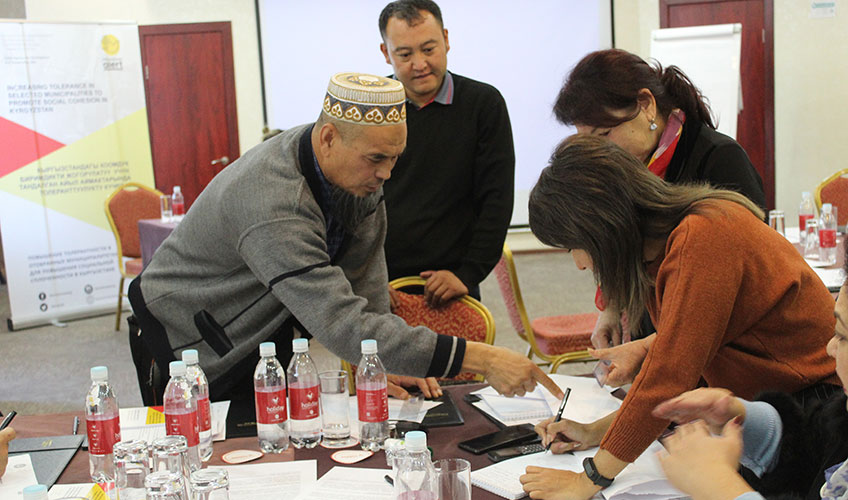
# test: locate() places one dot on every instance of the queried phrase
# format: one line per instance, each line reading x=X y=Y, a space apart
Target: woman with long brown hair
x=734 y=302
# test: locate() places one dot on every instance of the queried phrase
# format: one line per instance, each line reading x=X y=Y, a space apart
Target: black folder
x=50 y=455
x=445 y=415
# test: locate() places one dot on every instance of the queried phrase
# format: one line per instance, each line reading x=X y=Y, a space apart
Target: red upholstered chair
x=465 y=317
x=551 y=338
x=124 y=208
x=834 y=190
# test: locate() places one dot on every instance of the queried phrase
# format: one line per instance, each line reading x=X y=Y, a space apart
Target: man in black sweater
x=449 y=201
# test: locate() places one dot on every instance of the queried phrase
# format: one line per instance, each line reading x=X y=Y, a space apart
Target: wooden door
x=191 y=103
x=755 y=128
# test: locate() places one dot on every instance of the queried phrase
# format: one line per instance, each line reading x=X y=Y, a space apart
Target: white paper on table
x=350 y=483
x=530 y=407
x=219 y=410
x=643 y=477
x=19 y=474
x=832 y=278
x=148 y=424
x=81 y=490
x=793 y=234
x=280 y=480
x=413 y=409
x=148 y=433
x=588 y=401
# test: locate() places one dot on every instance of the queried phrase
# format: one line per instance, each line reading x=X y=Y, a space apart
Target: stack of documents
x=643 y=477
x=148 y=422
x=350 y=483
x=587 y=403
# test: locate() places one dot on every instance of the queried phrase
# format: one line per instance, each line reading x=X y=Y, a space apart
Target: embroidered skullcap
x=365 y=99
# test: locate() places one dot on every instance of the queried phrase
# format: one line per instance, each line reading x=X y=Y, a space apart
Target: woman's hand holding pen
x=568 y=435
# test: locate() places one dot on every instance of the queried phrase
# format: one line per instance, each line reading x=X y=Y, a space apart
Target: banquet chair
x=553 y=339
x=834 y=190
x=124 y=208
x=465 y=317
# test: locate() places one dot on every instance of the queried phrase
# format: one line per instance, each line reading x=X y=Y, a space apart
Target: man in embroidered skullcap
x=292 y=232
x=449 y=202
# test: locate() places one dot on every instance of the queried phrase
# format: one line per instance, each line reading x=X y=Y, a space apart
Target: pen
x=559 y=412
x=76 y=425
x=8 y=419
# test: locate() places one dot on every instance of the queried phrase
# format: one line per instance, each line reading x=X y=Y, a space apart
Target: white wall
x=810 y=97
x=240 y=13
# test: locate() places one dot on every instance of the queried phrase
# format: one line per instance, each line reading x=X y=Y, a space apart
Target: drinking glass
x=132 y=464
x=454 y=477
x=170 y=453
x=210 y=484
x=165 y=212
x=164 y=485
x=777 y=221
x=335 y=409
x=811 y=244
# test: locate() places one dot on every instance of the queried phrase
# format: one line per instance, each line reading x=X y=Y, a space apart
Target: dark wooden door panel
x=755 y=126
x=191 y=109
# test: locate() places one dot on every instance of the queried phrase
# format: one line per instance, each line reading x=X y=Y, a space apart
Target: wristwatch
x=594 y=475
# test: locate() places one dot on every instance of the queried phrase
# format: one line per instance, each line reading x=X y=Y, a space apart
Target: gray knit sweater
x=252 y=252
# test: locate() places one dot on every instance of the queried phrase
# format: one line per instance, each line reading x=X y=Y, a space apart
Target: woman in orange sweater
x=734 y=303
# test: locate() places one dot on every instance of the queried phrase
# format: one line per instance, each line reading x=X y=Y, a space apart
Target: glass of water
x=811 y=244
x=335 y=409
x=165 y=211
x=210 y=484
x=170 y=453
x=132 y=464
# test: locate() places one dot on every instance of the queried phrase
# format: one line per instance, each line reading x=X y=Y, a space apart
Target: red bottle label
x=373 y=405
x=183 y=424
x=178 y=208
x=271 y=407
x=827 y=238
x=102 y=435
x=802 y=222
x=304 y=402
x=204 y=413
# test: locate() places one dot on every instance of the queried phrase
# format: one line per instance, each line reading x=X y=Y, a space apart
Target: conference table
x=443 y=441
x=151 y=234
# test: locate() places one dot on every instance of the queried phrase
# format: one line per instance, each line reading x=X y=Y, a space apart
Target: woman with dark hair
x=660 y=117
x=734 y=302
x=793 y=451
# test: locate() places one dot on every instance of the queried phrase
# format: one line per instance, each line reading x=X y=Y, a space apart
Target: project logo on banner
x=73 y=127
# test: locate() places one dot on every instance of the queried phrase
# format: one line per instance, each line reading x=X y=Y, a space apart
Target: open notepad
x=643 y=477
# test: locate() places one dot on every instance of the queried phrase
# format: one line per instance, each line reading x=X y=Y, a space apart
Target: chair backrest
x=834 y=190
x=466 y=317
x=507 y=278
x=124 y=208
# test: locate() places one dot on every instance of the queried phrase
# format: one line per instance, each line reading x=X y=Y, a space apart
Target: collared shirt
x=443 y=96
x=335 y=230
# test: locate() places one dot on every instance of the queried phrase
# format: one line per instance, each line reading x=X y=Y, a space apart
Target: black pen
x=8 y=419
x=76 y=425
x=559 y=412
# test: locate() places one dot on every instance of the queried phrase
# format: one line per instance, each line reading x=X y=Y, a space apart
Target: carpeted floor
x=46 y=369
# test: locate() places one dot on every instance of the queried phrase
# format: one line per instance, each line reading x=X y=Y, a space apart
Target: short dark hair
x=610 y=80
x=409 y=11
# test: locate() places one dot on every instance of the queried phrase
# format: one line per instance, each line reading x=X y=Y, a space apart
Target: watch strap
x=593 y=474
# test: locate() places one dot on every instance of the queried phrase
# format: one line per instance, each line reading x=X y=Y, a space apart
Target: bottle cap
x=35 y=492
x=369 y=346
x=300 y=345
x=190 y=356
x=99 y=373
x=827 y=208
x=267 y=349
x=177 y=368
x=176 y=189
x=415 y=441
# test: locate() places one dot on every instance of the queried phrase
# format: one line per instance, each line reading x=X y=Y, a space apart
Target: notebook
x=518 y=409
x=643 y=477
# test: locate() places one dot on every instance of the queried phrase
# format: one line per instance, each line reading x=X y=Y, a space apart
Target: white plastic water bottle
x=304 y=393
x=177 y=204
x=269 y=385
x=827 y=235
x=200 y=387
x=102 y=425
x=416 y=476
x=372 y=398
x=181 y=412
x=806 y=211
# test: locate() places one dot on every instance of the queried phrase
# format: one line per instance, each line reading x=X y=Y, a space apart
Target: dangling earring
x=653 y=125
